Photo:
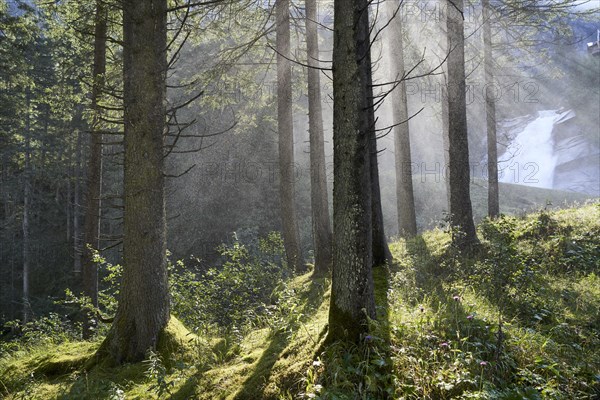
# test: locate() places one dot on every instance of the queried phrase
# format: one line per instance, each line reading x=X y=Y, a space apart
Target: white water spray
x=530 y=159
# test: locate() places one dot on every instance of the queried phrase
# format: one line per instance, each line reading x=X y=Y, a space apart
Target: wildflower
x=470 y=317
x=317 y=363
x=456 y=297
x=444 y=344
x=368 y=338
x=483 y=363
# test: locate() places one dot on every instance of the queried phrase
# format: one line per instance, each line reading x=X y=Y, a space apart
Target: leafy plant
x=157 y=372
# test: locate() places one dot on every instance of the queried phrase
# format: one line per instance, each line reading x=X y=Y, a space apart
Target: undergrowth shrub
x=51 y=328
x=235 y=294
x=226 y=298
x=517 y=320
x=157 y=373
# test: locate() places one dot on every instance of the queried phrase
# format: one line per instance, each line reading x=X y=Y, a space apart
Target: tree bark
x=94 y=183
x=445 y=139
x=285 y=128
x=26 y=211
x=464 y=236
x=69 y=202
x=321 y=225
x=143 y=309
x=77 y=253
x=381 y=251
x=352 y=293
x=407 y=220
x=490 y=113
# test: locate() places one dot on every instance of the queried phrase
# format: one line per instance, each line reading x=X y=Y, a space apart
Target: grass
x=266 y=363
x=521 y=320
x=431 y=204
x=528 y=327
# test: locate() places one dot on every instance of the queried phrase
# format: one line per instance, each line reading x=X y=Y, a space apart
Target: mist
x=186 y=213
x=234 y=180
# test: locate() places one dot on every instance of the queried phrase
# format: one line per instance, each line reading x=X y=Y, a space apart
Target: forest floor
x=431 y=201
x=520 y=319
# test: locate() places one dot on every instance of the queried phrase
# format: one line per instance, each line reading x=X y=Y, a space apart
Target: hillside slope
x=431 y=203
x=521 y=320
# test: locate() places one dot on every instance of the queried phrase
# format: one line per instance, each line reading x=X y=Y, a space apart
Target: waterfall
x=530 y=158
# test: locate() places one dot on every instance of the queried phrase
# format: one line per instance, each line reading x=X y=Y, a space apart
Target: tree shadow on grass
x=104 y=383
x=65 y=369
x=381 y=280
x=440 y=323
x=360 y=370
x=310 y=299
x=429 y=271
x=254 y=386
x=435 y=276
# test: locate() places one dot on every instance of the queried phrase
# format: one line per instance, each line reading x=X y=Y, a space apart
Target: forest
x=300 y=199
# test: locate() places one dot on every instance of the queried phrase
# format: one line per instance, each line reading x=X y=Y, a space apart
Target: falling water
x=530 y=159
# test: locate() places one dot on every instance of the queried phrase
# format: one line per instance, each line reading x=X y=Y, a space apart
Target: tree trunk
x=69 y=195
x=352 y=294
x=285 y=129
x=407 y=220
x=13 y=250
x=445 y=139
x=77 y=204
x=94 y=183
x=143 y=309
x=321 y=225
x=490 y=108
x=381 y=251
x=464 y=236
x=26 y=211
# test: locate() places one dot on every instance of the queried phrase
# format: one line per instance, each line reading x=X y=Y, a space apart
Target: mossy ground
x=439 y=333
x=264 y=364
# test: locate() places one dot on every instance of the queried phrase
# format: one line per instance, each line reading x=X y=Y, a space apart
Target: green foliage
x=107 y=296
x=157 y=373
x=42 y=98
x=352 y=371
x=48 y=329
x=511 y=322
x=511 y=306
x=469 y=334
x=234 y=294
x=247 y=291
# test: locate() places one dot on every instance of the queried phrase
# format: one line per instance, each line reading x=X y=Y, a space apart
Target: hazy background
x=234 y=184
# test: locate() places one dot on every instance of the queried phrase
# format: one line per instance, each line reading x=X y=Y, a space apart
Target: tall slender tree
x=490 y=114
x=405 y=201
x=94 y=168
x=460 y=201
x=321 y=225
x=77 y=178
x=143 y=309
x=285 y=128
x=352 y=293
x=380 y=249
x=445 y=138
x=27 y=176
